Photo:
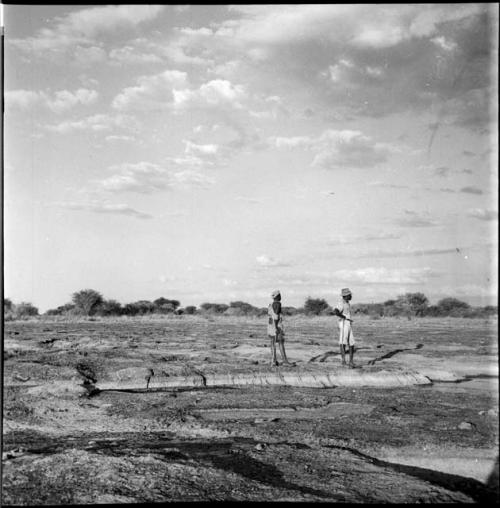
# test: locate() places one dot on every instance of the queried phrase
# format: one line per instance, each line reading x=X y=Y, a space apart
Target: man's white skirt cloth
x=346 y=336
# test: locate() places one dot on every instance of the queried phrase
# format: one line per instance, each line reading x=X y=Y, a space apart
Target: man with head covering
x=275 y=330
x=346 y=337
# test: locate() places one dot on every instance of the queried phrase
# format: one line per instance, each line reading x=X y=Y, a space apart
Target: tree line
x=89 y=302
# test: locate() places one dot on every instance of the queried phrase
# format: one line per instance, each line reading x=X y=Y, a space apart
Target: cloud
x=376 y=26
x=147 y=178
x=339 y=149
x=371 y=275
x=84 y=29
x=22 y=99
x=468 y=153
x=471 y=190
x=369 y=237
x=65 y=100
x=59 y=102
x=483 y=214
x=104 y=208
x=269 y=262
x=407 y=253
x=413 y=220
x=200 y=150
x=130 y=55
x=214 y=93
x=120 y=138
x=96 y=123
x=151 y=92
x=387 y=185
x=370 y=60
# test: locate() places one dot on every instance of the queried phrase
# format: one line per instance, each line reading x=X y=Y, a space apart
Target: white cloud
x=103 y=208
x=340 y=148
x=217 y=92
x=443 y=43
x=197 y=150
x=412 y=219
x=81 y=29
x=97 y=123
x=65 y=100
x=375 y=26
x=482 y=214
x=130 y=55
x=59 y=102
x=119 y=138
x=147 y=178
x=268 y=262
x=151 y=92
x=372 y=275
x=22 y=99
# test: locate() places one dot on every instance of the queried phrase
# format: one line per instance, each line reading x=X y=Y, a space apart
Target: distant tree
x=289 y=311
x=159 y=302
x=86 y=301
x=216 y=308
x=165 y=308
x=315 y=305
x=62 y=310
x=25 y=309
x=451 y=305
x=109 y=308
x=243 y=307
x=412 y=304
x=8 y=306
x=190 y=309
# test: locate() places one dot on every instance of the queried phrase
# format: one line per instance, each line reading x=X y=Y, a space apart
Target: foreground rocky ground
x=152 y=410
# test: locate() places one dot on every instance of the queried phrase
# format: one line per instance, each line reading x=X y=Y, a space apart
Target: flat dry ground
x=64 y=444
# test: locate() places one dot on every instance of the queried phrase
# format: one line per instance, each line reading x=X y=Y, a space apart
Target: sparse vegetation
x=89 y=302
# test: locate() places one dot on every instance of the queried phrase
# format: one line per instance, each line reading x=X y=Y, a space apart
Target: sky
x=216 y=153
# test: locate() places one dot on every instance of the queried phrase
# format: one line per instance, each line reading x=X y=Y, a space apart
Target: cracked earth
x=186 y=408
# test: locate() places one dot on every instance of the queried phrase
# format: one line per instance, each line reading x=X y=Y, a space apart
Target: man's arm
x=277 y=311
x=338 y=313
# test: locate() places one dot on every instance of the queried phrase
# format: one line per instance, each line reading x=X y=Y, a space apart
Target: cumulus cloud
x=368 y=237
x=217 y=92
x=412 y=219
x=375 y=26
x=58 y=102
x=483 y=214
x=372 y=275
x=104 y=208
x=340 y=149
x=269 y=262
x=131 y=55
x=96 y=123
x=151 y=92
x=83 y=29
x=147 y=178
x=22 y=99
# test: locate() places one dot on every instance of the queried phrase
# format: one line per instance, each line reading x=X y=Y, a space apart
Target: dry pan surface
x=123 y=411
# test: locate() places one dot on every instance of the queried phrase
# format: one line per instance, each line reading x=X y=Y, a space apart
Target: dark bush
x=215 y=308
x=86 y=301
x=190 y=309
x=315 y=305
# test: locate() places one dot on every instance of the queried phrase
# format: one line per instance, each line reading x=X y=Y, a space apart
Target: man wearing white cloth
x=346 y=336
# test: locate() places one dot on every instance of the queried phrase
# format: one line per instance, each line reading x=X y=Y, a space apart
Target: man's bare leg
x=283 y=354
x=351 y=357
x=342 y=352
x=274 y=361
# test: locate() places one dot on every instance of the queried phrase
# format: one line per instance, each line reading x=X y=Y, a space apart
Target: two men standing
x=276 y=332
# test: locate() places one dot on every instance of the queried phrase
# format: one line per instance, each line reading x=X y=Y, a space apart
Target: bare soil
x=122 y=411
